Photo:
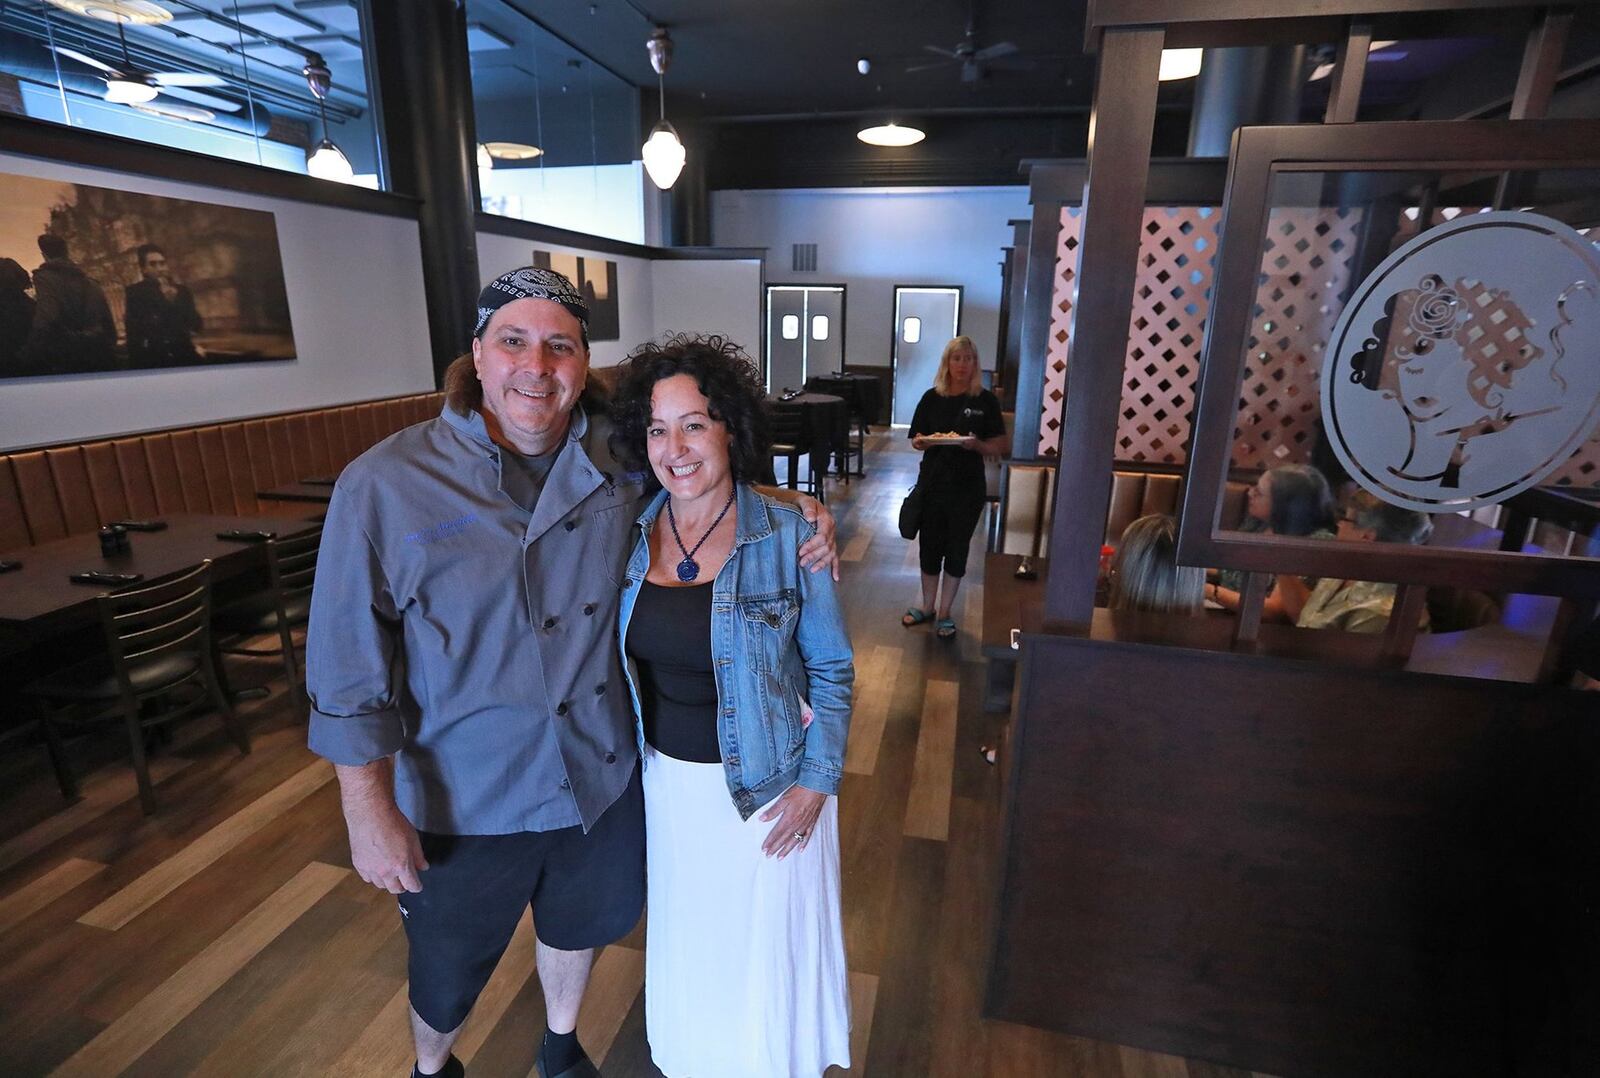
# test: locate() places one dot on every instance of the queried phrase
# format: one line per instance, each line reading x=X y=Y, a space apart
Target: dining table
x=39 y=603
x=306 y=491
x=824 y=424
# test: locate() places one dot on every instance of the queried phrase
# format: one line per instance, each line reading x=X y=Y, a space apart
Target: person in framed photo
x=161 y=317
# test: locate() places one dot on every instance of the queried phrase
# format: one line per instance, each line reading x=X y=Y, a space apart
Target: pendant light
x=663 y=151
x=1179 y=64
x=891 y=134
x=326 y=161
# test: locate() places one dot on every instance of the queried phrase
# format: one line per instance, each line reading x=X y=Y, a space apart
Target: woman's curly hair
x=725 y=374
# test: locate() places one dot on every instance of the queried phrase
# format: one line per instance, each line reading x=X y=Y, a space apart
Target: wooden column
x=1120 y=131
x=1038 y=292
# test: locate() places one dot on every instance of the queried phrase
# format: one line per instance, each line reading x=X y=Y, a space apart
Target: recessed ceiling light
x=512 y=151
x=1179 y=64
x=133 y=12
x=891 y=134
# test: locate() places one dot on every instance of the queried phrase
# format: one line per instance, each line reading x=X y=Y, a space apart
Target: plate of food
x=944 y=437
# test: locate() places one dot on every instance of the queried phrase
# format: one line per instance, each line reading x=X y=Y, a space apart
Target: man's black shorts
x=585 y=891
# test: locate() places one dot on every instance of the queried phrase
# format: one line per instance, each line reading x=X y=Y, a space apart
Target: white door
x=924 y=321
x=805 y=333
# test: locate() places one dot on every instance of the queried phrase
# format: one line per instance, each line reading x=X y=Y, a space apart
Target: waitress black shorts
x=585 y=891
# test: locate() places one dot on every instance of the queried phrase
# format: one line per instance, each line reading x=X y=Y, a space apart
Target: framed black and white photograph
x=96 y=280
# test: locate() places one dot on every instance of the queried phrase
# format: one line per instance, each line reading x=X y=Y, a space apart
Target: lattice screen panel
x=1062 y=296
x=1172 y=297
x=1305 y=273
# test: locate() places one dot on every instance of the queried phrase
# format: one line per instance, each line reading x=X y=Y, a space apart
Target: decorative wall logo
x=1466 y=367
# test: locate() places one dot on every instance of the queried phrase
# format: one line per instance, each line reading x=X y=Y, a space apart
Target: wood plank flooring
x=227 y=935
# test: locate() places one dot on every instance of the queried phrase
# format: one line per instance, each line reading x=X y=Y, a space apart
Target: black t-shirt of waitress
x=949 y=467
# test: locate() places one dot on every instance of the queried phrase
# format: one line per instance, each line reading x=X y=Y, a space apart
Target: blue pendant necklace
x=688 y=568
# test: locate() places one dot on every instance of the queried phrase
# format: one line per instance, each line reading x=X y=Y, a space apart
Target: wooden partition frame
x=1259 y=155
x=1129 y=35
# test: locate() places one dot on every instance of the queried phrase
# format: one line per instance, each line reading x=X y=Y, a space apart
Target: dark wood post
x=1038 y=291
x=1120 y=130
x=425 y=87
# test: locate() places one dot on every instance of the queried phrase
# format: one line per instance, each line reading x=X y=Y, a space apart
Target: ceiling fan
x=130 y=86
x=975 y=61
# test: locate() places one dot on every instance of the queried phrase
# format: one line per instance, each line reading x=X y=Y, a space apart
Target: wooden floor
x=227 y=935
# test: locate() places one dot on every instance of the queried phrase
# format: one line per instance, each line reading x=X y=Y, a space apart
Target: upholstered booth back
x=216 y=468
x=1027 y=503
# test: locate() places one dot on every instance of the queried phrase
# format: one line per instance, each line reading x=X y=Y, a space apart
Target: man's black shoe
x=583 y=1068
x=452 y=1068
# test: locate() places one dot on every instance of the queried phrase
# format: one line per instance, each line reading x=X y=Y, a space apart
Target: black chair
x=284 y=607
x=158 y=645
x=789 y=443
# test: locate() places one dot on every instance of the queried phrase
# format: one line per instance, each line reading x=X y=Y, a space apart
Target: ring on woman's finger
x=799 y=836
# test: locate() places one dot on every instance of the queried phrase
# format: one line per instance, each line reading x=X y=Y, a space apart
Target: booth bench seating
x=1027 y=502
x=62 y=490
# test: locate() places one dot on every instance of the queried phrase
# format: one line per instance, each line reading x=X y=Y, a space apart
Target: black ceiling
x=766 y=57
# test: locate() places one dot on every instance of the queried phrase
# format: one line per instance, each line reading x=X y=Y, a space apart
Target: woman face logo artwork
x=1445 y=389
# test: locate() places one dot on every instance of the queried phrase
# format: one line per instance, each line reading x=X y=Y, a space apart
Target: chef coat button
x=611 y=757
x=571 y=524
x=588 y=608
x=600 y=690
x=550 y=622
x=561 y=708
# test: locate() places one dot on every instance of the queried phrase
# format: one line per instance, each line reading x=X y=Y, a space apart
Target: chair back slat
x=163 y=635
x=131 y=621
x=190 y=641
x=292 y=564
x=165 y=618
x=786 y=426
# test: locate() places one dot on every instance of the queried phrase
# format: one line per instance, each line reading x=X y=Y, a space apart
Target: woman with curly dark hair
x=740 y=669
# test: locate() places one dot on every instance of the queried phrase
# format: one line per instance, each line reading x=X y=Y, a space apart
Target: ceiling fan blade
x=74 y=54
x=187 y=78
x=948 y=54
x=937 y=65
x=218 y=103
x=994 y=52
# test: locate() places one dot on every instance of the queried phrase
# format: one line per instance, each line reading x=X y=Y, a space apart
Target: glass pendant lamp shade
x=663 y=155
x=328 y=162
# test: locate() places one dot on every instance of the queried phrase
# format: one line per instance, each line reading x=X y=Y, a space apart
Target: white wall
x=497 y=254
x=657 y=296
x=602 y=200
x=355 y=299
x=872 y=239
x=710 y=296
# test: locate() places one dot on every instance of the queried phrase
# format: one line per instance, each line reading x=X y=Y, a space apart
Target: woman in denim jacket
x=740 y=669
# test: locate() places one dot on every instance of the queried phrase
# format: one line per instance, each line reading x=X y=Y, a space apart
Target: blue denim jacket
x=778 y=643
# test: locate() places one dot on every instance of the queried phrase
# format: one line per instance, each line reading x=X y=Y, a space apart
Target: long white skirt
x=745 y=972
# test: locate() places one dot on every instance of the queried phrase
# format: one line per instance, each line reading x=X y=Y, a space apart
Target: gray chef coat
x=471 y=640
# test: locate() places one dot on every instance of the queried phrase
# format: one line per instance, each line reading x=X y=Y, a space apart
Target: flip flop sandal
x=914 y=615
x=946 y=628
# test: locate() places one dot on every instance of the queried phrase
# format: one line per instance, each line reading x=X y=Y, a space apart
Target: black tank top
x=669 y=637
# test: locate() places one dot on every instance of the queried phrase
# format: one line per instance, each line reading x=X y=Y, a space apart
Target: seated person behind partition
x=1145 y=575
x=1293 y=500
x=1363 y=606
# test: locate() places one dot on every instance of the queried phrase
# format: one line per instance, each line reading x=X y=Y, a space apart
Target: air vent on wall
x=805 y=258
